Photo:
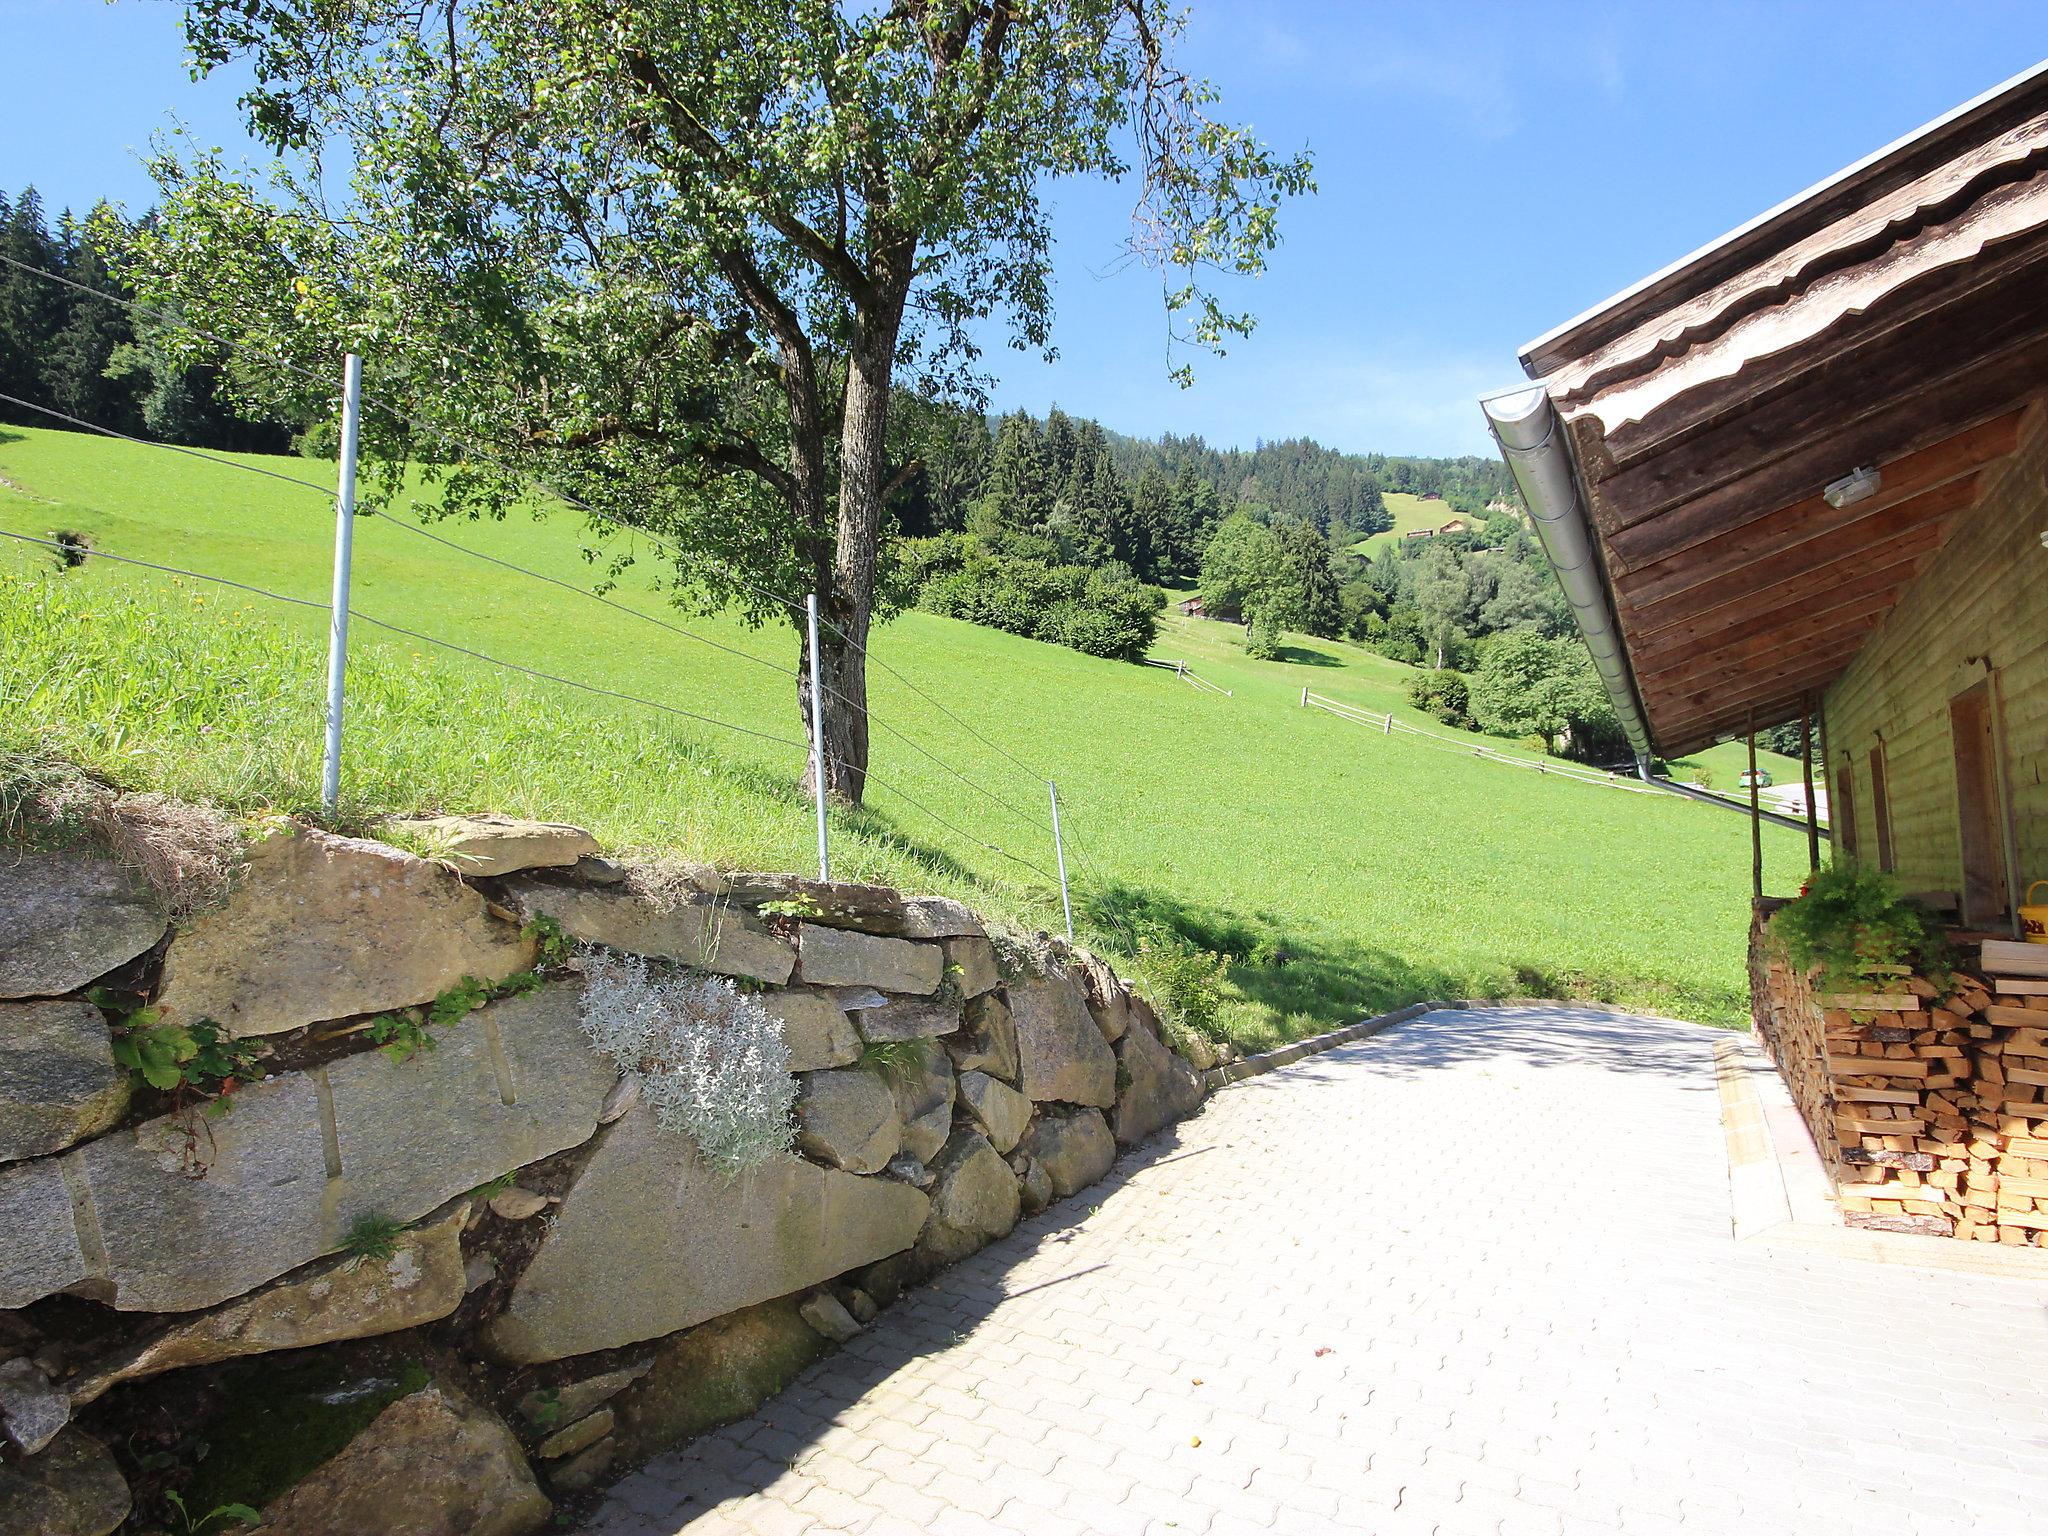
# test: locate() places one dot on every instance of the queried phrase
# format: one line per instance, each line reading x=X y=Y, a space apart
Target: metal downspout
x=1526 y=426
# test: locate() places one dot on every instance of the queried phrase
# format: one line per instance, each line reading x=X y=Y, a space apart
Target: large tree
x=671 y=256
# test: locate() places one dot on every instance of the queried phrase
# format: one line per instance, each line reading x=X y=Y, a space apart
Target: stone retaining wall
x=443 y=1282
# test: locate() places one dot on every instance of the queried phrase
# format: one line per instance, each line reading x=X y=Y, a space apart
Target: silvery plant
x=710 y=1060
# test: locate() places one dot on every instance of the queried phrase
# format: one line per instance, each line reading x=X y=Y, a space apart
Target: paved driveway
x=1473 y=1275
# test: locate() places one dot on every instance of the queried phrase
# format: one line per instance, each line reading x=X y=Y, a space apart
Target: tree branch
x=688 y=128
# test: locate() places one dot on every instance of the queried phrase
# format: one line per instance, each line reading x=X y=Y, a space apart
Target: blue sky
x=1486 y=172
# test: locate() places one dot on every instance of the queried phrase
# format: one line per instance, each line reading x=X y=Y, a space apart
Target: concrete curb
x=1315 y=1045
x=1288 y=1055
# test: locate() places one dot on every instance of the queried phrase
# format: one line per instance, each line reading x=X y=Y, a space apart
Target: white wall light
x=1857 y=485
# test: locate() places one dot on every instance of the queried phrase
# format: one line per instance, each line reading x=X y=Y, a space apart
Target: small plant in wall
x=710 y=1060
x=1851 y=920
x=191 y=1061
x=180 y=1521
x=894 y=1060
x=795 y=907
x=371 y=1236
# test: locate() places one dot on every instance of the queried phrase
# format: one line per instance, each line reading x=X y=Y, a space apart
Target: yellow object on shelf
x=2033 y=919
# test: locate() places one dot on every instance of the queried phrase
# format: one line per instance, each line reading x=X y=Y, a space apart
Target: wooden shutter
x=1980 y=814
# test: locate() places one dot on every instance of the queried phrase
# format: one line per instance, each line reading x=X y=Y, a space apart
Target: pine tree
x=1314 y=604
x=32 y=308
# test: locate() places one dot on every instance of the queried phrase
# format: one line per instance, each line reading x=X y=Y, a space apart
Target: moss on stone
x=282 y=1422
x=713 y=1374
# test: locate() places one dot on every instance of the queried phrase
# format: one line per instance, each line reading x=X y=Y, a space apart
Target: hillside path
x=1472 y=1275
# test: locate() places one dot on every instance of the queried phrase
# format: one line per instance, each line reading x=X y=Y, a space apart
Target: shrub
x=1186 y=984
x=1442 y=696
x=1105 y=612
x=709 y=1059
x=1851 y=918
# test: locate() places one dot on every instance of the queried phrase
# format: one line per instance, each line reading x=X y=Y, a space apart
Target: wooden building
x=1805 y=470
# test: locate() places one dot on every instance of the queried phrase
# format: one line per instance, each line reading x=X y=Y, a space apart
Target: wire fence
x=1387 y=725
x=1027 y=830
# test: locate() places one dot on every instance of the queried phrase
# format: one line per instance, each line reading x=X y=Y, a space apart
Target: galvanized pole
x=817 y=737
x=1756 y=821
x=344 y=548
x=1806 y=771
x=1059 y=852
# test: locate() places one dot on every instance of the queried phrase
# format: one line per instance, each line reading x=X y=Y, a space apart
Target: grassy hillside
x=1408 y=512
x=1352 y=870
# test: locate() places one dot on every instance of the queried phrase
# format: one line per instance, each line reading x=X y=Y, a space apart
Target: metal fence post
x=1059 y=850
x=344 y=548
x=817 y=737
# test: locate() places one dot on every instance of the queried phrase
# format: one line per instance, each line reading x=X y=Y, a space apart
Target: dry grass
x=189 y=854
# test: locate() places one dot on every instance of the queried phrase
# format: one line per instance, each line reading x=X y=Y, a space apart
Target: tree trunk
x=847 y=604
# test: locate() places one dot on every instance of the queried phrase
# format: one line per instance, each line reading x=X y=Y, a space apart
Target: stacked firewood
x=1929 y=1102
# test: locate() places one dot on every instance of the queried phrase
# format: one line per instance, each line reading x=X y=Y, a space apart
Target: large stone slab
x=67 y=917
x=847 y=1119
x=710 y=935
x=1108 y=1002
x=924 y=1090
x=1075 y=1149
x=939 y=917
x=839 y=957
x=1000 y=1110
x=72 y=1489
x=814 y=1027
x=490 y=844
x=301 y=1158
x=432 y=1464
x=342 y=1298
x=974 y=1200
x=910 y=1018
x=1061 y=1053
x=1158 y=1087
x=971 y=964
x=41 y=1254
x=712 y=1374
x=651 y=1239
x=987 y=1039
x=58 y=1081
x=323 y=927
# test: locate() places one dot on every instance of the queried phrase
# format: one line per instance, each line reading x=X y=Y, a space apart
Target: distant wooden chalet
x=1805 y=471
x=1455 y=525
x=1192 y=608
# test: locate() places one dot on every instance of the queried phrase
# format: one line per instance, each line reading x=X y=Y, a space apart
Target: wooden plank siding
x=1980 y=606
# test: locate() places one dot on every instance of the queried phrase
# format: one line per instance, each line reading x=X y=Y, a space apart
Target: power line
x=509 y=565
x=424 y=639
x=194 y=453
x=569 y=499
x=533 y=672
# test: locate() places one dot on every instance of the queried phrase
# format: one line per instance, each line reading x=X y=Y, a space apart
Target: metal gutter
x=1525 y=425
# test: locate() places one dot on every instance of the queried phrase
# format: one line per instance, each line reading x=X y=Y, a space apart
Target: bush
x=1850 y=918
x=710 y=1060
x=1186 y=985
x=1442 y=696
x=1105 y=612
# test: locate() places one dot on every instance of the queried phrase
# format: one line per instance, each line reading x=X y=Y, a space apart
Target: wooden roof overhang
x=1896 y=317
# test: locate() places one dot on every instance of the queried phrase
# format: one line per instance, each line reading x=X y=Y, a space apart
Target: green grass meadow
x=1351 y=870
x=1409 y=513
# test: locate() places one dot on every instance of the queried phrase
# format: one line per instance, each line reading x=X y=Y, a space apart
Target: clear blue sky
x=1486 y=172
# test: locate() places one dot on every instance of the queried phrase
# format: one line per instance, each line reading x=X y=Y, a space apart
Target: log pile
x=1928 y=1101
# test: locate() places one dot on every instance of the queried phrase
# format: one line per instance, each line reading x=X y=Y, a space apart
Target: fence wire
x=686 y=557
